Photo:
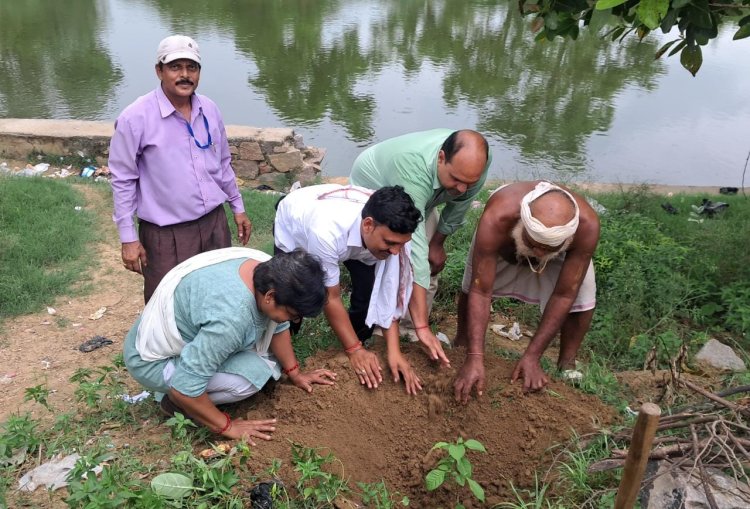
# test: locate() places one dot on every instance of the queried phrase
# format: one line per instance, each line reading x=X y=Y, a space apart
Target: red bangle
x=422 y=327
x=354 y=348
x=227 y=425
x=287 y=371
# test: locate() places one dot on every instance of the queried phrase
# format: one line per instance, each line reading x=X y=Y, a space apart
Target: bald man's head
x=462 y=160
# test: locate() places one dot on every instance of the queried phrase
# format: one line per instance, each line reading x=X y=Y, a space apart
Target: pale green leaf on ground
x=456 y=451
x=464 y=467
x=439 y=445
x=172 y=485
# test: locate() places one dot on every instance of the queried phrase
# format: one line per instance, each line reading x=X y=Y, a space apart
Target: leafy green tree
x=696 y=20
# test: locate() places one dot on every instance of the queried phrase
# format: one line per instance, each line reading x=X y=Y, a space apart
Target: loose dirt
x=381 y=434
x=385 y=434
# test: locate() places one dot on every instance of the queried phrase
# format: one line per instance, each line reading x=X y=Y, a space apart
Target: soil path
x=377 y=435
x=40 y=348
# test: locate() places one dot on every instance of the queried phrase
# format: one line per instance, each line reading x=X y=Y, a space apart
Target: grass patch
x=44 y=242
x=260 y=208
x=665 y=283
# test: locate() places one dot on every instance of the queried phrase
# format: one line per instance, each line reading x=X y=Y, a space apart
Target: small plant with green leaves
x=377 y=495
x=112 y=488
x=179 y=424
x=273 y=468
x=38 y=393
x=212 y=483
x=18 y=439
x=315 y=484
x=456 y=465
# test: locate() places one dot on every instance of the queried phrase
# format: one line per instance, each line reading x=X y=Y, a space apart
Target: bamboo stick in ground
x=638 y=453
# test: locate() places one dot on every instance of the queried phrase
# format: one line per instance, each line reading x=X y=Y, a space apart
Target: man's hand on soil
x=251 y=429
x=534 y=378
x=367 y=368
x=306 y=380
x=471 y=374
x=432 y=347
x=399 y=364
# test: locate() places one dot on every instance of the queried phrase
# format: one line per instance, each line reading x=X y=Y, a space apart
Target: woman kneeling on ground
x=204 y=337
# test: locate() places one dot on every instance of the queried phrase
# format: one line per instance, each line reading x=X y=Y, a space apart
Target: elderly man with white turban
x=534 y=242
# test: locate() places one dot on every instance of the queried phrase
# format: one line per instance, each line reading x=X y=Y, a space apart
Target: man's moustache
x=185 y=82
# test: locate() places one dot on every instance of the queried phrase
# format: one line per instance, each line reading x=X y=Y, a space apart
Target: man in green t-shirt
x=435 y=167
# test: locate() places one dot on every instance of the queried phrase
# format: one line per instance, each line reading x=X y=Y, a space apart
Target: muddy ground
x=381 y=434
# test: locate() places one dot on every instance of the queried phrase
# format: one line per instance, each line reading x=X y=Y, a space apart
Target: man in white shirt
x=345 y=223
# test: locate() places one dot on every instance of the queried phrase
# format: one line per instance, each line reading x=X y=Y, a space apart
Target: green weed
x=19 y=433
x=260 y=209
x=74 y=160
x=599 y=380
x=377 y=495
x=38 y=393
x=179 y=424
x=315 y=485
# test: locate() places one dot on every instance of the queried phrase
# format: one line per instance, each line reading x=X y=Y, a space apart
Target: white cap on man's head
x=176 y=47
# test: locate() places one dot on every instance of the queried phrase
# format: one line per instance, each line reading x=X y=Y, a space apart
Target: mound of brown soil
x=385 y=434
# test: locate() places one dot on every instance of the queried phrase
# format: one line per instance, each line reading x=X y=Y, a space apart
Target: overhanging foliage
x=697 y=21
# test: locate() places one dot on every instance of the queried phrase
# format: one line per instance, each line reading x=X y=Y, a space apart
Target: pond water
x=348 y=73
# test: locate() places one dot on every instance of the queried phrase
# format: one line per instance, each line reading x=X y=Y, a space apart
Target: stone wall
x=272 y=156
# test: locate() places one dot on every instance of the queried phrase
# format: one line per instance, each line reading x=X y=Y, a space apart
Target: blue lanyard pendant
x=192 y=135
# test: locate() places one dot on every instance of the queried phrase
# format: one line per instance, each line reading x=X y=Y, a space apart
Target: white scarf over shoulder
x=158 y=337
x=391 y=291
x=550 y=236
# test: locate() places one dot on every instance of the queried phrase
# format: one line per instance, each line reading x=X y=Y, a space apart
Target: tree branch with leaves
x=698 y=21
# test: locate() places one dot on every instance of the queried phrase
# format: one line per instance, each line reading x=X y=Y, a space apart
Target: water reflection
x=51 y=61
x=545 y=99
x=347 y=73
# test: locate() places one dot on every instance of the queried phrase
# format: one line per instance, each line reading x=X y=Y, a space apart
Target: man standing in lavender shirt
x=170 y=164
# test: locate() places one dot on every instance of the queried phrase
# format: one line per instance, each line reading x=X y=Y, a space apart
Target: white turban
x=553 y=235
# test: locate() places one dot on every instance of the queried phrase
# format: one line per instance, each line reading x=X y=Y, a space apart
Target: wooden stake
x=638 y=453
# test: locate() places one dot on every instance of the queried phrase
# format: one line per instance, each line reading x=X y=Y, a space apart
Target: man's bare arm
x=364 y=363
